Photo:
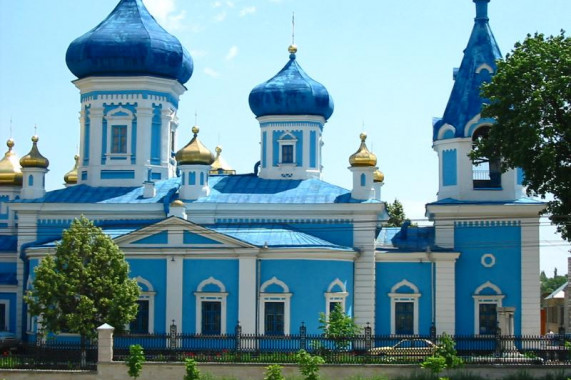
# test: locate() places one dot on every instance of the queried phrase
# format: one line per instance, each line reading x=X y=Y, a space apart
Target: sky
x=387 y=64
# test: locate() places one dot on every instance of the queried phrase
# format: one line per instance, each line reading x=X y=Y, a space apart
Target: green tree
x=445 y=356
x=135 y=360
x=192 y=371
x=549 y=284
x=530 y=99
x=339 y=327
x=396 y=214
x=83 y=285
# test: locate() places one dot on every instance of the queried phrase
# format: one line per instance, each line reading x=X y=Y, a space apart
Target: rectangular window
x=333 y=305
x=141 y=323
x=404 y=318
x=488 y=318
x=211 y=317
x=274 y=318
x=287 y=154
x=119 y=139
x=3 y=317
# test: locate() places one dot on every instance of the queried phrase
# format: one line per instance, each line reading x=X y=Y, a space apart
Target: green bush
x=274 y=372
x=308 y=364
x=135 y=360
x=192 y=372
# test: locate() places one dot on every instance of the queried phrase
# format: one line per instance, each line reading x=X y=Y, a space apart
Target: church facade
x=211 y=248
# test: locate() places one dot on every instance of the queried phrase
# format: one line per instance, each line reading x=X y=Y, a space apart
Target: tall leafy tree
x=530 y=99
x=84 y=284
x=396 y=214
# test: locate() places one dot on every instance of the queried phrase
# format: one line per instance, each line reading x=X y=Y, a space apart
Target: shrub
x=192 y=372
x=308 y=364
x=135 y=360
x=274 y=372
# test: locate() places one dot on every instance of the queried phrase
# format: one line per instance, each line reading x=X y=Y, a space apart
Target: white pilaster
x=445 y=297
x=365 y=267
x=530 y=315
x=174 y=291
x=247 y=293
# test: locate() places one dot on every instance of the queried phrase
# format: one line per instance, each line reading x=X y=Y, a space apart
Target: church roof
x=477 y=67
x=291 y=92
x=243 y=188
x=129 y=42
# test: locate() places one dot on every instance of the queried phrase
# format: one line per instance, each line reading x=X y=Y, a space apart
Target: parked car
x=407 y=348
x=8 y=341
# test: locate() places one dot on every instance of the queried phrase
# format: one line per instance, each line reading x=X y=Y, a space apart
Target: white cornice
x=482 y=210
x=91 y=84
x=407 y=257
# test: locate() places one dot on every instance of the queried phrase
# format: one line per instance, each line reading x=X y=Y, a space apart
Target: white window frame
x=284 y=297
x=119 y=121
x=404 y=297
x=202 y=296
x=148 y=295
x=485 y=299
x=335 y=297
x=290 y=140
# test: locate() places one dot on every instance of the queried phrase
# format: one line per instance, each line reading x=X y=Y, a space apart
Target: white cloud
x=198 y=53
x=217 y=4
x=232 y=53
x=211 y=72
x=220 y=16
x=247 y=10
x=164 y=11
x=230 y=4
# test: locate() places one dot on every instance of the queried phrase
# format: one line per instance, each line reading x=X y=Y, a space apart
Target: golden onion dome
x=10 y=169
x=378 y=176
x=194 y=153
x=220 y=166
x=34 y=159
x=363 y=157
x=177 y=203
x=71 y=176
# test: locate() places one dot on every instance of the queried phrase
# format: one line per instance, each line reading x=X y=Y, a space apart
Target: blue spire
x=477 y=67
x=129 y=42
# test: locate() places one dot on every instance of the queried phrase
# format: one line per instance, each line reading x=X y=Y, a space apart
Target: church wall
x=154 y=271
x=308 y=281
x=391 y=274
x=9 y=298
x=490 y=252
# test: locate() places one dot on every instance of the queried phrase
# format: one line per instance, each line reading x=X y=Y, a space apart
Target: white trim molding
x=404 y=297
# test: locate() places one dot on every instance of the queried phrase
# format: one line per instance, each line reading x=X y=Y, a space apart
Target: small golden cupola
x=34 y=159
x=378 y=176
x=10 y=169
x=220 y=166
x=70 y=177
x=194 y=153
x=363 y=157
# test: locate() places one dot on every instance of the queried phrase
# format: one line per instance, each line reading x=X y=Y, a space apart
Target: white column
x=174 y=291
x=530 y=315
x=95 y=144
x=445 y=297
x=365 y=267
x=444 y=233
x=144 y=126
x=105 y=343
x=247 y=294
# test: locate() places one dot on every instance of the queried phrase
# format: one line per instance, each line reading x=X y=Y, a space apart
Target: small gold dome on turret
x=194 y=153
x=378 y=176
x=71 y=176
x=177 y=203
x=10 y=169
x=34 y=159
x=292 y=49
x=363 y=157
x=220 y=166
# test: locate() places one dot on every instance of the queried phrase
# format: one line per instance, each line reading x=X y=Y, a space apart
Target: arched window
x=144 y=322
x=404 y=308
x=335 y=295
x=211 y=307
x=486 y=173
x=487 y=299
x=274 y=307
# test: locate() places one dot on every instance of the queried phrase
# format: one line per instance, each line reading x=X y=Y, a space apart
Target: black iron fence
x=364 y=348
x=50 y=354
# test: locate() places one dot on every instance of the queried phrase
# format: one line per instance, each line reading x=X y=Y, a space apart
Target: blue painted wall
x=11 y=298
x=449 y=168
x=308 y=281
x=156 y=135
x=390 y=274
x=473 y=240
x=195 y=271
x=87 y=134
x=153 y=270
x=312 y=149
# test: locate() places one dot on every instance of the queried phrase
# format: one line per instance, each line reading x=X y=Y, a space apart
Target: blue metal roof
x=520 y=201
x=273 y=235
x=465 y=101
x=291 y=92
x=8 y=243
x=407 y=238
x=129 y=42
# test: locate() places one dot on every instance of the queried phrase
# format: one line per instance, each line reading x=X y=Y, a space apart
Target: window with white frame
x=287 y=148
x=119 y=123
x=336 y=295
x=211 y=307
x=404 y=308
x=4 y=315
x=145 y=320
x=487 y=299
x=274 y=317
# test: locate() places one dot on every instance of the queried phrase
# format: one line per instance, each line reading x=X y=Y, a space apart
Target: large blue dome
x=291 y=92
x=129 y=42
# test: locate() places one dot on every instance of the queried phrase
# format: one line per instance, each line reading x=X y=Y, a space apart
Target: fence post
x=105 y=343
x=302 y=336
x=368 y=337
x=499 y=342
x=238 y=336
x=433 y=332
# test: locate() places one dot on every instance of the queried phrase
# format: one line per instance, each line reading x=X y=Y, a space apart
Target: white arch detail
x=211 y=280
x=145 y=282
x=337 y=282
x=445 y=128
x=484 y=66
x=490 y=285
x=276 y=281
x=404 y=282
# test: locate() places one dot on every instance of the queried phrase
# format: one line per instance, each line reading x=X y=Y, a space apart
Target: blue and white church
x=211 y=248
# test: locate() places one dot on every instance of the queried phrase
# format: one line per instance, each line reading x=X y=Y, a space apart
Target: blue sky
x=387 y=64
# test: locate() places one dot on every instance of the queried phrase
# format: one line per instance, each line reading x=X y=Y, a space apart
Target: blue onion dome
x=291 y=92
x=129 y=42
